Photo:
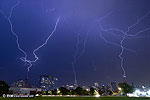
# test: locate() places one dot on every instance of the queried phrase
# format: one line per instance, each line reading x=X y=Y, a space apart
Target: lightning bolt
x=76 y=56
x=12 y=31
x=74 y=73
x=35 y=50
x=24 y=58
x=74 y=59
x=85 y=41
x=124 y=36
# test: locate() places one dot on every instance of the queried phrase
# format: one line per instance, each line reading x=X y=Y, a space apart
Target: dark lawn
x=77 y=98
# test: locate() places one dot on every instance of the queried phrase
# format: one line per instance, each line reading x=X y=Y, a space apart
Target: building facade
x=47 y=82
x=114 y=87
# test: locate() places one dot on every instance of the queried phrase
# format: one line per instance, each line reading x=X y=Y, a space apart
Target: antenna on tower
x=125 y=79
x=27 y=80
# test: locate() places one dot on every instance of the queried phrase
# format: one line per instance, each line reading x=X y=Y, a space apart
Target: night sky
x=78 y=35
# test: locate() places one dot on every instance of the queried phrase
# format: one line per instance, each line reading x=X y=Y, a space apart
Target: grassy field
x=77 y=98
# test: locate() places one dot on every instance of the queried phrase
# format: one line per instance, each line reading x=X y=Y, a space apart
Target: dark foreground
x=76 y=98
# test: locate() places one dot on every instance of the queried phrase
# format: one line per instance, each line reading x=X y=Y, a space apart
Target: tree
x=54 y=92
x=110 y=92
x=4 y=88
x=100 y=92
x=79 y=91
x=126 y=88
x=44 y=92
x=73 y=92
x=85 y=92
x=92 y=91
x=64 y=91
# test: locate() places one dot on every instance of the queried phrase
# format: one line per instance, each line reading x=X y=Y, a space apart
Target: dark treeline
x=105 y=91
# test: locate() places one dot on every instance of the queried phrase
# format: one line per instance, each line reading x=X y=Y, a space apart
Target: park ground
x=76 y=98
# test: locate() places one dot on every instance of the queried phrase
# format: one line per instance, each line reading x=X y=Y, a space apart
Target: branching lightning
x=76 y=56
x=74 y=59
x=74 y=73
x=35 y=50
x=85 y=41
x=24 y=59
x=125 y=34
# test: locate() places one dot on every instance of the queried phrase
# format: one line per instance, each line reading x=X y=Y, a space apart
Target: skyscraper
x=47 y=82
x=114 y=87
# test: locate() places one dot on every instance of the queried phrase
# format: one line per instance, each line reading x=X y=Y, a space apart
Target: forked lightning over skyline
x=125 y=34
x=112 y=34
x=24 y=59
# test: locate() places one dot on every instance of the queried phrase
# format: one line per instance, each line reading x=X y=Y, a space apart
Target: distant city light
x=139 y=93
x=119 y=89
x=58 y=91
x=97 y=94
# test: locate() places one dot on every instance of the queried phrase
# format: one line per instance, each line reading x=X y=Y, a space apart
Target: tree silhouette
x=126 y=88
x=4 y=88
